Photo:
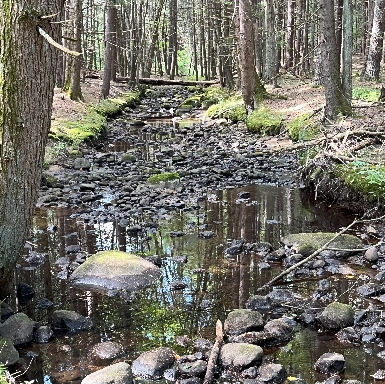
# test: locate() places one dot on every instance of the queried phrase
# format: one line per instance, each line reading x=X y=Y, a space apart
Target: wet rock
x=152 y=364
x=75 y=248
x=236 y=248
x=371 y=254
x=18 y=328
x=63 y=320
x=82 y=163
x=44 y=304
x=178 y=285
x=272 y=373
x=307 y=243
x=322 y=289
x=330 y=363
x=281 y=296
x=25 y=293
x=6 y=311
x=115 y=271
x=258 y=303
x=336 y=316
x=191 y=369
x=335 y=379
x=351 y=382
x=177 y=233
x=119 y=373
x=87 y=187
x=206 y=234
x=277 y=255
x=103 y=353
x=280 y=331
x=155 y=259
x=348 y=336
x=242 y=321
x=191 y=380
x=43 y=334
x=240 y=355
x=8 y=353
x=370 y=289
x=203 y=345
x=262 y=247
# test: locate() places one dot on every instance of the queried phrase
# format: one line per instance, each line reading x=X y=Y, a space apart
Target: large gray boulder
x=330 y=363
x=119 y=373
x=152 y=364
x=8 y=353
x=115 y=272
x=242 y=321
x=280 y=331
x=63 y=320
x=337 y=316
x=307 y=243
x=19 y=328
x=240 y=355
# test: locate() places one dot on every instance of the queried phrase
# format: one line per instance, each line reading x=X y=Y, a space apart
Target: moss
x=168 y=176
x=214 y=95
x=365 y=93
x=367 y=179
x=231 y=108
x=303 y=128
x=264 y=121
x=111 y=107
x=128 y=158
x=192 y=102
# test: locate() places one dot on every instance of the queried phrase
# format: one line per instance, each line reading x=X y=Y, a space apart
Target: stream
x=214 y=284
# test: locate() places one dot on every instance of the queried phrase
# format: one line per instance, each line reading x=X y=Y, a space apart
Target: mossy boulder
x=232 y=109
x=119 y=373
x=8 y=353
x=114 y=272
x=240 y=355
x=264 y=121
x=336 y=316
x=307 y=243
x=303 y=128
x=19 y=328
x=163 y=177
x=243 y=320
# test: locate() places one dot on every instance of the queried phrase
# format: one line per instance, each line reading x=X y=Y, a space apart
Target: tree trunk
x=270 y=50
x=335 y=99
x=246 y=56
x=173 y=39
x=27 y=80
x=110 y=41
x=74 y=64
x=347 y=49
x=371 y=70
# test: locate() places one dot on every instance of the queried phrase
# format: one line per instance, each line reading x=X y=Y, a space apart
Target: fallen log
x=154 y=81
x=209 y=377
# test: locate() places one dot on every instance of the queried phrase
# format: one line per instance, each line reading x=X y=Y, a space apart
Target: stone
x=242 y=321
x=191 y=369
x=258 y=303
x=240 y=355
x=152 y=364
x=119 y=373
x=272 y=373
x=8 y=353
x=43 y=334
x=18 y=328
x=280 y=331
x=82 y=163
x=63 y=320
x=371 y=254
x=114 y=272
x=307 y=243
x=330 y=363
x=103 y=353
x=336 y=316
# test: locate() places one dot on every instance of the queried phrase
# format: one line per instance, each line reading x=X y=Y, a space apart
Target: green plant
x=167 y=176
x=302 y=128
x=232 y=109
x=264 y=121
x=3 y=374
x=365 y=93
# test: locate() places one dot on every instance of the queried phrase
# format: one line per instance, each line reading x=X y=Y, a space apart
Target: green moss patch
x=303 y=128
x=367 y=179
x=168 y=176
x=264 y=121
x=365 y=93
x=233 y=109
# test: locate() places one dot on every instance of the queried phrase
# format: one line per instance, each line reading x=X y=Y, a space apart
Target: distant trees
x=27 y=79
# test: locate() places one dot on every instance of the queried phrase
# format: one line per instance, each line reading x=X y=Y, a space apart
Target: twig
x=214 y=354
x=317 y=252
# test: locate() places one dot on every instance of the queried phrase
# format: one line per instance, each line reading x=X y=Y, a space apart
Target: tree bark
x=347 y=49
x=27 y=80
x=371 y=70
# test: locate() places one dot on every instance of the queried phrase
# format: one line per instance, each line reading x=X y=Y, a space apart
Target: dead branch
x=317 y=252
x=214 y=354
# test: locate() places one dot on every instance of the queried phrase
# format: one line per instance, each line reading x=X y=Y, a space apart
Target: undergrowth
x=365 y=93
x=167 y=176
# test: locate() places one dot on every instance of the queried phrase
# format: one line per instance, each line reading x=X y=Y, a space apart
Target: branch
x=55 y=44
x=318 y=251
x=212 y=363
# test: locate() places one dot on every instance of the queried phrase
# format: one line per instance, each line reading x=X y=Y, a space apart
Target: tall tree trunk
x=27 y=80
x=270 y=50
x=347 y=49
x=173 y=39
x=110 y=42
x=290 y=34
x=335 y=99
x=74 y=64
x=371 y=69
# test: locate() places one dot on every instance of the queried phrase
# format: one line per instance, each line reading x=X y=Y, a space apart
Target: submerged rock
x=106 y=351
x=307 y=243
x=64 y=320
x=152 y=364
x=336 y=316
x=119 y=373
x=115 y=271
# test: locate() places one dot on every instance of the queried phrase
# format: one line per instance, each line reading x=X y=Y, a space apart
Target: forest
x=197 y=137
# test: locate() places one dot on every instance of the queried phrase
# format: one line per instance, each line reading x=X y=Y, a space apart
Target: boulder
x=103 y=353
x=258 y=303
x=119 y=373
x=371 y=254
x=8 y=353
x=336 y=316
x=272 y=374
x=115 y=272
x=191 y=369
x=19 y=328
x=63 y=320
x=330 y=363
x=242 y=321
x=152 y=364
x=307 y=243
x=240 y=355
x=43 y=334
x=279 y=330
x=82 y=163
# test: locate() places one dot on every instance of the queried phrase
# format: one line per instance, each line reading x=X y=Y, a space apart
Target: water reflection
x=215 y=284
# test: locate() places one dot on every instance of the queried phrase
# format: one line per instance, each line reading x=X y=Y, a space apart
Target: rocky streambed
x=215 y=234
